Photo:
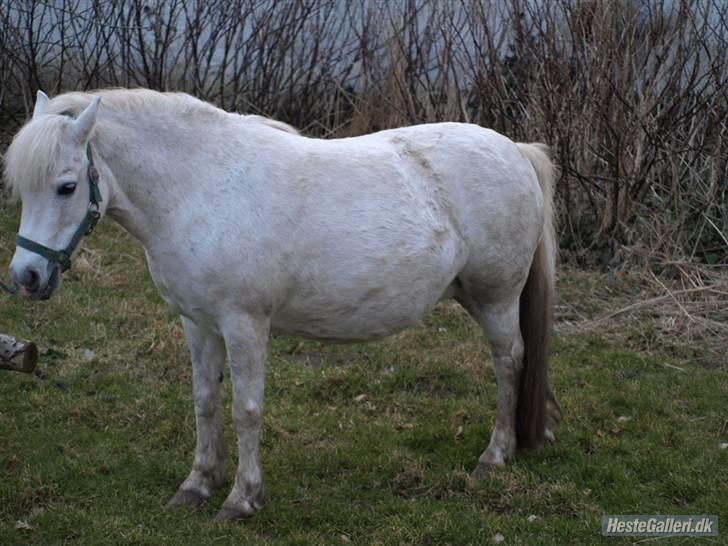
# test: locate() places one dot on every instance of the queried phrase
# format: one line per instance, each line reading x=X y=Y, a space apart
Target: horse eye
x=67 y=188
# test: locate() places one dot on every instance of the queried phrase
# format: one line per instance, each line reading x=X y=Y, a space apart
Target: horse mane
x=23 y=164
x=34 y=150
x=150 y=102
x=132 y=100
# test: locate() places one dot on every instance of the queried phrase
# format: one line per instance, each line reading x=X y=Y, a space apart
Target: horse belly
x=375 y=303
x=378 y=314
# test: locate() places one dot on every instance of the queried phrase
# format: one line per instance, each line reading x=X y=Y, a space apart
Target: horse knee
x=206 y=403
x=247 y=414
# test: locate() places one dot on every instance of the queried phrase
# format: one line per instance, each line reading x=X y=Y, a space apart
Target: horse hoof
x=186 y=497
x=483 y=470
x=233 y=513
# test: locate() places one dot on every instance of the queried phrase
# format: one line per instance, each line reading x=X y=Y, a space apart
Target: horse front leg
x=208 y=358
x=246 y=338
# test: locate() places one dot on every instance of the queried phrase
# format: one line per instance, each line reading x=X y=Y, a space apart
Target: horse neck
x=151 y=173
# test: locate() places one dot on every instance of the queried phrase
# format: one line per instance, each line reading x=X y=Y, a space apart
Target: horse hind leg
x=501 y=327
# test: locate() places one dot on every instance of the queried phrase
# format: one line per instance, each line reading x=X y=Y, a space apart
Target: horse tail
x=536 y=304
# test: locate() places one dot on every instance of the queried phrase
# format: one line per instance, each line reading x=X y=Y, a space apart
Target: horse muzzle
x=34 y=284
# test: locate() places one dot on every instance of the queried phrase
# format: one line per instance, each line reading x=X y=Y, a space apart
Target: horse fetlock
x=501 y=450
x=198 y=486
x=230 y=512
x=487 y=466
x=240 y=505
x=554 y=413
x=495 y=456
x=187 y=497
x=206 y=479
x=549 y=436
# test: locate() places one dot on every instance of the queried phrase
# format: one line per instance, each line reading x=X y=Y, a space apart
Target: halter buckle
x=95 y=216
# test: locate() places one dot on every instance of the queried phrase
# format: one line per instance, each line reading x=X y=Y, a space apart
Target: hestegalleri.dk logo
x=650 y=525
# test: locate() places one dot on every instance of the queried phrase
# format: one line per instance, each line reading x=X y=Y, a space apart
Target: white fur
x=250 y=228
x=40 y=104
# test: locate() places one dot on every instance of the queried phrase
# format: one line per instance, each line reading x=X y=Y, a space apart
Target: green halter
x=63 y=257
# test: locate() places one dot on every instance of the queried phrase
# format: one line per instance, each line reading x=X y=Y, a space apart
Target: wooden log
x=17 y=355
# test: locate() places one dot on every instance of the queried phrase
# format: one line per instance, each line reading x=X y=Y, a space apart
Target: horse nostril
x=32 y=280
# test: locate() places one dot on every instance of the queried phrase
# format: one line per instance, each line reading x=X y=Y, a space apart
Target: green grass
x=91 y=453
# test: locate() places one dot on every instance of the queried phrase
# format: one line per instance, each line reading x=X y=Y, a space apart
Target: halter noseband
x=63 y=257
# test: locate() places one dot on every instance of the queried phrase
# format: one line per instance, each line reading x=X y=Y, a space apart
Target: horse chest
x=167 y=284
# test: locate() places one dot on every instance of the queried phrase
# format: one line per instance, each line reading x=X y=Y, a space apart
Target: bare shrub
x=632 y=94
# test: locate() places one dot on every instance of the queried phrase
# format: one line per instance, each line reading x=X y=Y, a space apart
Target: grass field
x=362 y=444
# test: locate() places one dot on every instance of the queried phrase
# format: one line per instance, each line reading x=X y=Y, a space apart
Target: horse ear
x=40 y=104
x=81 y=128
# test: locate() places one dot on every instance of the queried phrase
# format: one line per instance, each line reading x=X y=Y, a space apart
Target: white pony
x=249 y=227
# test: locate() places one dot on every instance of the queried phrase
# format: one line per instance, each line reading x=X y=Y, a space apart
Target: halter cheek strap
x=63 y=257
